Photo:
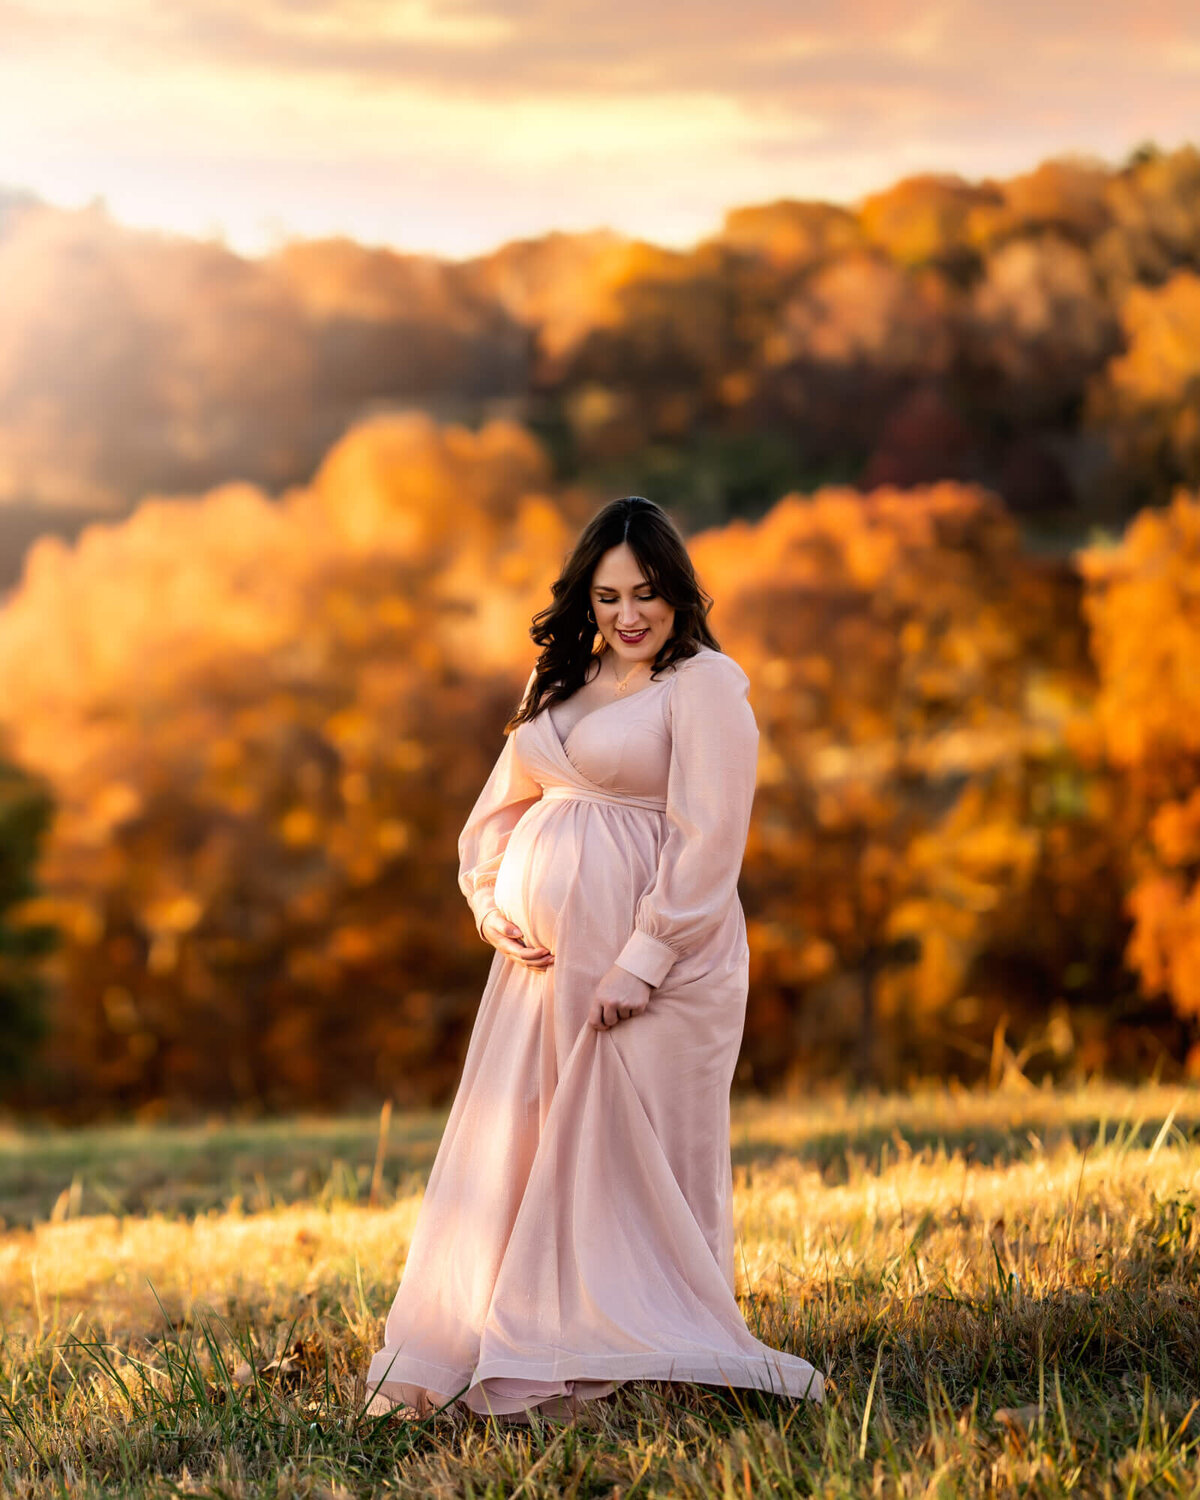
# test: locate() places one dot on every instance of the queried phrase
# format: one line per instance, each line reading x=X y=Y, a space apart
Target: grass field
x=1004 y=1288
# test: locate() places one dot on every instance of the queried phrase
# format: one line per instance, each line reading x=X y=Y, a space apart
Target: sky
x=453 y=126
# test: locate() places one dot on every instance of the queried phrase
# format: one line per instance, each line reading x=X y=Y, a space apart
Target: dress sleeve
x=710 y=792
x=507 y=794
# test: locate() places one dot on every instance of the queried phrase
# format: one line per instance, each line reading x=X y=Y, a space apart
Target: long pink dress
x=577 y=1227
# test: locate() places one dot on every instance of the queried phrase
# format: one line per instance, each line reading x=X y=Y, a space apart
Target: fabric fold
x=576 y=1231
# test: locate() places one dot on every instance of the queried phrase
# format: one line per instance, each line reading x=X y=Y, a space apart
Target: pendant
x=620 y=684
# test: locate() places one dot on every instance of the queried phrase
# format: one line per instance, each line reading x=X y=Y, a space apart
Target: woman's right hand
x=507 y=938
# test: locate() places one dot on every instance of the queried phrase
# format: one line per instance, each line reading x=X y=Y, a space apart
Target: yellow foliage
x=1145 y=399
x=238 y=704
x=923 y=218
x=298 y=827
x=1143 y=607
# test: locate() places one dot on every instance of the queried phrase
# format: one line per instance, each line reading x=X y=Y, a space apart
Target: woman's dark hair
x=564 y=632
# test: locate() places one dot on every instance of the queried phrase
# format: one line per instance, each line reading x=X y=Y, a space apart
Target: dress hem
x=470 y=1388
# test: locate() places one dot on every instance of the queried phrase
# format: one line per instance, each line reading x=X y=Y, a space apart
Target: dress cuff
x=647 y=958
x=482 y=902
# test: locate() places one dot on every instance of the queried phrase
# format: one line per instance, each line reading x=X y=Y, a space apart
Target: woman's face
x=625 y=605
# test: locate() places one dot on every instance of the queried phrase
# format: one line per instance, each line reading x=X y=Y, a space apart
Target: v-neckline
x=564 y=741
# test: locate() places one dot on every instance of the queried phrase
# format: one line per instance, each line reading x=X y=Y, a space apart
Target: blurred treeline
x=1040 y=336
x=260 y=710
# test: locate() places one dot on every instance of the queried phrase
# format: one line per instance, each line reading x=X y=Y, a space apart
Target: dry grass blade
x=1000 y=1287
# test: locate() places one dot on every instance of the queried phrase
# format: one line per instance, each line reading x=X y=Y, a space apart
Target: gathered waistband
x=559 y=792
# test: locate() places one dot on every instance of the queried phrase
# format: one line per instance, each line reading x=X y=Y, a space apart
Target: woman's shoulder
x=709 y=663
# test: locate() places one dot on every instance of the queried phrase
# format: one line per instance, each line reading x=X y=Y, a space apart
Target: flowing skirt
x=577 y=1228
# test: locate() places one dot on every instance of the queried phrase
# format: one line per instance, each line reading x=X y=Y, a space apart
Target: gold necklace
x=621 y=683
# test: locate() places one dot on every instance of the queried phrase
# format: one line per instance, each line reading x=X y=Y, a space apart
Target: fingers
x=531 y=955
x=507 y=933
x=532 y=958
x=539 y=963
x=526 y=950
x=510 y=941
x=605 y=1014
x=598 y=1017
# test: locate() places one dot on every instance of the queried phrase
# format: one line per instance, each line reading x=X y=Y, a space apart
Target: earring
x=591 y=617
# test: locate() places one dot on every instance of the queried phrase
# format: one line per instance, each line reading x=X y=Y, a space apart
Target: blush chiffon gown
x=577 y=1227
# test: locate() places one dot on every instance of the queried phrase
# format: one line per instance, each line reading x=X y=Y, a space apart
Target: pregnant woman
x=577 y=1228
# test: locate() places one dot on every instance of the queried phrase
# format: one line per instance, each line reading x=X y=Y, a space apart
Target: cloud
x=509 y=50
x=562 y=107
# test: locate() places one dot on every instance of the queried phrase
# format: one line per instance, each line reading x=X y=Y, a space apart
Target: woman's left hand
x=618 y=996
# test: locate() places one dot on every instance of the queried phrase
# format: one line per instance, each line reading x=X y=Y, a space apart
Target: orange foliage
x=1041 y=320
x=1155 y=207
x=1064 y=195
x=262 y=723
x=896 y=642
x=864 y=310
x=788 y=235
x=568 y=286
x=1147 y=402
x=925 y=218
x=134 y=363
x=1142 y=607
x=265 y=720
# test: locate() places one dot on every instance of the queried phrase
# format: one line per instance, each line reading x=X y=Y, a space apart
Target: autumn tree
x=1040 y=327
x=926 y=220
x=264 y=722
x=24 y=815
x=790 y=235
x=403 y=328
x=1063 y=196
x=1146 y=402
x=849 y=343
x=1029 y=315
x=890 y=639
x=1154 y=204
x=1143 y=608
x=132 y=361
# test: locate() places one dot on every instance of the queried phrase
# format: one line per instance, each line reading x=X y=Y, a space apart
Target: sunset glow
x=454 y=127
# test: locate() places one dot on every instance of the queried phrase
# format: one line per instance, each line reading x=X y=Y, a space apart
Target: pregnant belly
x=578 y=868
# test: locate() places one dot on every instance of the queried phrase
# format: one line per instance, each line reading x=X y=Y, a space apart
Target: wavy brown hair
x=564 y=632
